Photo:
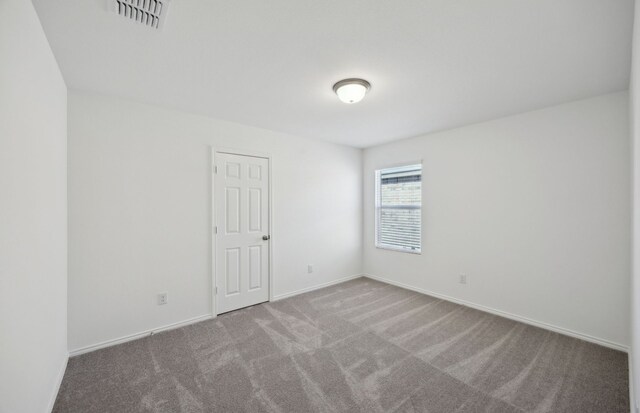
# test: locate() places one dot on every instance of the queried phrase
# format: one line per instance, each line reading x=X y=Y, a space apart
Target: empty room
x=319 y=206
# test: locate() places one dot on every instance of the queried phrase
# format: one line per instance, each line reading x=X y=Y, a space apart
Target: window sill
x=414 y=252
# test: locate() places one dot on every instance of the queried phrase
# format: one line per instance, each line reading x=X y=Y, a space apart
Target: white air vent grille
x=151 y=13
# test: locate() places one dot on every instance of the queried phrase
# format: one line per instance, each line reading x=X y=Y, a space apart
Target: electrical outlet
x=162 y=298
x=463 y=279
x=310 y=268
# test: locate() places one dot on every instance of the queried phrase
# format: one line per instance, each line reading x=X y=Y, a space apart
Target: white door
x=241 y=200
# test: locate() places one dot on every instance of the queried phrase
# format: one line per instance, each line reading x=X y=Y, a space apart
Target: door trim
x=241 y=152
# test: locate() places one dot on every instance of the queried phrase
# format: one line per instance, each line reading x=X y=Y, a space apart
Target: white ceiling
x=433 y=64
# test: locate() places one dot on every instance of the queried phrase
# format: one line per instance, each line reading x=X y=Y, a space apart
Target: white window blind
x=399 y=208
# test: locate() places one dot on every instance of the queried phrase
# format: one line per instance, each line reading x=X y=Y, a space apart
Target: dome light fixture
x=351 y=90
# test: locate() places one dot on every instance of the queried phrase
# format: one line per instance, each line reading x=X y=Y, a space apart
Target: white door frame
x=242 y=152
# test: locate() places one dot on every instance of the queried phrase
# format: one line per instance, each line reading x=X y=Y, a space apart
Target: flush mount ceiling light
x=351 y=90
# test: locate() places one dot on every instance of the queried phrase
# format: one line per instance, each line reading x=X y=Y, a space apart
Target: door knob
x=266 y=237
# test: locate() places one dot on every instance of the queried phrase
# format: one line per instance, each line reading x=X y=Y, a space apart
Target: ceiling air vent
x=151 y=13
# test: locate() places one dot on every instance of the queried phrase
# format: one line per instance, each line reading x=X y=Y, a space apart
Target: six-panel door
x=242 y=218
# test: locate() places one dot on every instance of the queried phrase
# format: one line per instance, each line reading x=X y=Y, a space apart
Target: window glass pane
x=398 y=208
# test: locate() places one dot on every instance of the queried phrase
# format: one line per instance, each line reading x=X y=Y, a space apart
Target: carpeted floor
x=360 y=346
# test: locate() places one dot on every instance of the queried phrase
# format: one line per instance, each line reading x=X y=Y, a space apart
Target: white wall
x=634 y=90
x=140 y=207
x=533 y=208
x=33 y=214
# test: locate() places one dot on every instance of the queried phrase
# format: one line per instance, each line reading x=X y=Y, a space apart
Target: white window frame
x=378 y=206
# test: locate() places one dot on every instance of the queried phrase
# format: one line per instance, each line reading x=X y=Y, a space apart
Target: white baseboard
x=546 y=326
x=316 y=287
x=130 y=337
x=56 y=390
x=632 y=394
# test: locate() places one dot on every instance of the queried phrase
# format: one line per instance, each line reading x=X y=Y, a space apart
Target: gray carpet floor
x=360 y=346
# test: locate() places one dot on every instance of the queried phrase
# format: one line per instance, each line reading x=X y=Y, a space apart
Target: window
x=399 y=208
